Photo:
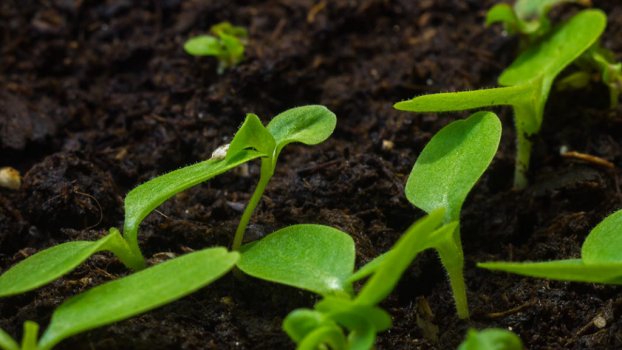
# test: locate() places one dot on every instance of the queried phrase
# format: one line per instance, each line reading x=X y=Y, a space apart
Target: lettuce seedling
x=307 y=124
x=442 y=177
x=527 y=83
x=491 y=339
x=226 y=44
x=126 y=297
x=360 y=315
x=600 y=262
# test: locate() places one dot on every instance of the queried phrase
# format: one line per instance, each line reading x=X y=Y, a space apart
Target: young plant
x=527 y=83
x=126 y=297
x=226 y=44
x=308 y=124
x=442 y=177
x=600 y=262
x=491 y=339
x=529 y=19
x=323 y=326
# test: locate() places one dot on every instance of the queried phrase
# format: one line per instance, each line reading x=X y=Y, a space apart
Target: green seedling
x=529 y=19
x=600 y=262
x=126 y=297
x=442 y=177
x=527 y=83
x=308 y=124
x=226 y=44
x=491 y=339
x=359 y=315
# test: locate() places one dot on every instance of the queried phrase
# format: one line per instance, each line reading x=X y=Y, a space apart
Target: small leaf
x=325 y=335
x=416 y=238
x=563 y=270
x=7 y=342
x=378 y=318
x=137 y=293
x=203 y=45
x=452 y=162
x=502 y=13
x=307 y=124
x=603 y=244
x=311 y=257
x=143 y=199
x=252 y=135
x=557 y=51
x=47 y=265
x=491 y=339
x=300 y=322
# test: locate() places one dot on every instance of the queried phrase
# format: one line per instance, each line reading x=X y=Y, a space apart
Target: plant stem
x=29 y=339
x=452 y=259
x=122 y=248
x=267 y=170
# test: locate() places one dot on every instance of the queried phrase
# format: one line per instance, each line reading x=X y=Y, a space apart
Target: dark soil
x=96 y=97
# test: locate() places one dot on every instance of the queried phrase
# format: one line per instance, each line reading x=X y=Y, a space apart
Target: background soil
x=97 y=97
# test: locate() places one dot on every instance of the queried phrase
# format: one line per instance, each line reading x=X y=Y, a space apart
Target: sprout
x=226 y=44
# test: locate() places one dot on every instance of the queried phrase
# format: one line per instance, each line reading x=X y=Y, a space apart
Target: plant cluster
x=321 y=259
x=226 y=44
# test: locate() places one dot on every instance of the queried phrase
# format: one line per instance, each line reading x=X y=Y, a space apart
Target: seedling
x=126 y=297
x=226 y=44
x=491 y=339
x=600 y=262
x=359 y=315
x=527 y=83
x=442 y=177
x=529 y=19
x=307 y=124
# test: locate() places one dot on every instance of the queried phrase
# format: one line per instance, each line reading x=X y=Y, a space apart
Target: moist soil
x=97 y=97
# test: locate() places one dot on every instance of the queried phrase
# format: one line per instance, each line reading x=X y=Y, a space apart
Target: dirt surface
x=97 y=97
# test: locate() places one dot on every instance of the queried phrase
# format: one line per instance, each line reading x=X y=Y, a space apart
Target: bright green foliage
x=601 y=258
x=601 y=60
x=528 y=82
x=309 y=125
x=129 y=296
x=50 y=264
x=226 y=44
x=444 y=174
x=526 y=17
x=491 y=339
x=143 y=199
x=312 y=257
x=360 y=316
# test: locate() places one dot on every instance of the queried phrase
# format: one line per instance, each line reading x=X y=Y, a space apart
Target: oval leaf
x=307 y=124
x=137 y=293
x=555 y=52
x=311 y=257
x=203 y=45
x=47 y=265
x=452 y=162
x=603 y=244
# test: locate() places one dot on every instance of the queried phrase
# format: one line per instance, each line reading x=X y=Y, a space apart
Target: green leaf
x=49 y=265
x=369 y=268
x=7 y=342
x=311 y=257
x=252 y=135
x=377 y=317
x=325 y=335
x=300 y=322
x=452 y=162
x=137 y=293
x=491 y=339
x=503 y=13
x=203 y=45
x=307 y=124
x=143 y=199
x=554 y=53
x=564 y=270
x=604 y=243
x=416 y=238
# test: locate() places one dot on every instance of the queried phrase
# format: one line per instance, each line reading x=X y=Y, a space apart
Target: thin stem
x=267 y=170
x=452 y=259
x=122 y=248
x=29 y=339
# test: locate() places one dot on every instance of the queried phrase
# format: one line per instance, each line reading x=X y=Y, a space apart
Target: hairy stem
x=267 y=170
